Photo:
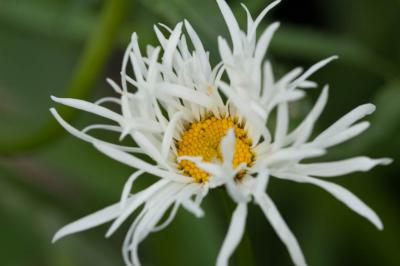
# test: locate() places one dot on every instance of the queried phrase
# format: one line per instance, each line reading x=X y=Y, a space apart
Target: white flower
x=197 y=141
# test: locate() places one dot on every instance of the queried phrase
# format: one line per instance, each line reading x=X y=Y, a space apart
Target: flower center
x=203 y=138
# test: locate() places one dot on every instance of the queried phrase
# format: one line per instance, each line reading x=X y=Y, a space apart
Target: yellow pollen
x=203 y=138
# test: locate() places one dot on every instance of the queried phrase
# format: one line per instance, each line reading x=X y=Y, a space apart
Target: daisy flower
x=199 y=131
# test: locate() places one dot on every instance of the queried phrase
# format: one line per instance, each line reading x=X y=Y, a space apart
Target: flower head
x=200 y=132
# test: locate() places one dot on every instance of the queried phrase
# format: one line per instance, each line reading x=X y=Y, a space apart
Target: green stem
x=91 y=63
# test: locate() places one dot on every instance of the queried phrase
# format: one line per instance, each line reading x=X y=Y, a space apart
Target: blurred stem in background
x=96 y=52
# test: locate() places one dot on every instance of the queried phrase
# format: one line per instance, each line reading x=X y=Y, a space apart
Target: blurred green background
x=68 y=47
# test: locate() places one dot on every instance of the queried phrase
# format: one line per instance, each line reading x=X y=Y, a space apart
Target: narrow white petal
x=278 y=223
x=290 y=76
x=153 y=65
x=249 y=19
x=114 y=85
x=248 y=113
x=343 y=136
x=285 y=96
x=314 y=68
x=161 y=38
x=304 y=130
x=169 y=134
x=343 y=195
x=128 y=187
x=290 y=154
x=135 y=60
x=136 y=51
x=234 y=235
x=307 y=84
x=347 y=120
x=282 y=124
x=342 y=167
x=137 y=163
x=140 y=198
x=102 y=126
x=83 y=136
x=185 y=93
x=195 y=40
x=171 y=46
x=268 y=82
x=263 y=42
x=232 y=24
x=224 y=51
x=100 y=217
x=211 y=168
x=89 y=107
x=260 y=17
x=194 y=208
x=169 y=220
x=108 y=100
x=150 y=148
x=228 y=147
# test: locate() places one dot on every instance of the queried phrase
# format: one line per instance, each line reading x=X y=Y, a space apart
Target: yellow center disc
x=203 y=139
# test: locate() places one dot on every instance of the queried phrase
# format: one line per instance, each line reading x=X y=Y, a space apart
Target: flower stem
x=95 y=54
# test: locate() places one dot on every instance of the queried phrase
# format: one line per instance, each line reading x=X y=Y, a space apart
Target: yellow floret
x=203 y=138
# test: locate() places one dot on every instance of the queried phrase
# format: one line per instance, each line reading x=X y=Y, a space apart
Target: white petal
x=211 y=168
x=150 y=149
x=347 y=120
x=168 y=221
x=81 y=135
x=136 y=51
x=171 y=46
x=140 y=198
x=161 y=38
x=194 y=208
x=268 y=82
x=114 y=85
x=108 y=100
x=128 y=187
x=249 y=19
x=263 y=42
x=228 y=147
x=343 y=167
x=304 y=130
x=246 y=112
x=232 y=24
x=288 y=77
x=132 y=161
x=89 y=107
x=100 y=217
x=290 y=154
x=282 y=124
x=101 y=126
x=281 y=228
x=185 y=93
x=169 y=133
x=260 y=17
x=196 y=42
x=224 y=51
x=153 y=69
x=234 y=235
x=343 y=136
x=343 y=195
x=314 y=68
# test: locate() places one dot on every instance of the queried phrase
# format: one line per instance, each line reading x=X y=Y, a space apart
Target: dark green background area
x=69 y=47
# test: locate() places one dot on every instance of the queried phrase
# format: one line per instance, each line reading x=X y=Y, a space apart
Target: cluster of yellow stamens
x=203 y=139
